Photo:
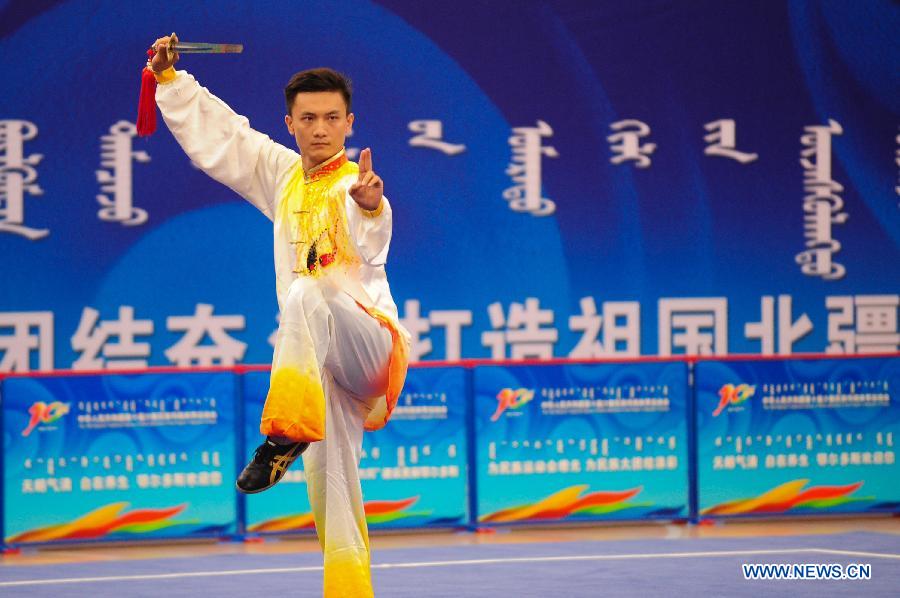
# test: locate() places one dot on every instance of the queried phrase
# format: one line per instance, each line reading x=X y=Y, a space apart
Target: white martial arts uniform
x=339 y=348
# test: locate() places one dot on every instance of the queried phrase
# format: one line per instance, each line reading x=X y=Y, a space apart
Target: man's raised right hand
x=165 y=56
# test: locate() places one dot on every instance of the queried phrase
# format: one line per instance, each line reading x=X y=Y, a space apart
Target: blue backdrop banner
x=581 y=442
x=797 y=436
x=568 y=178
x=413 y=471
x=118 y=457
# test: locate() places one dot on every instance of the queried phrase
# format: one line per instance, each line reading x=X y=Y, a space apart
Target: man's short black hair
x=321 y=79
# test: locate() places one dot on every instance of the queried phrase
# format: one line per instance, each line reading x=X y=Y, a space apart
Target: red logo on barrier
x=511 y=399
x=733 y=395
x=42 y=413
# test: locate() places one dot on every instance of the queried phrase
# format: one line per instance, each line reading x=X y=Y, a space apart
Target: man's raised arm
x=215 y=138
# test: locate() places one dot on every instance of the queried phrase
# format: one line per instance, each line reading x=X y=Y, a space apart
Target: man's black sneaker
x=268 y=465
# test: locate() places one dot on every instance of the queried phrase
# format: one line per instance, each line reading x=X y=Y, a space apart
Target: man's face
x=320 y=123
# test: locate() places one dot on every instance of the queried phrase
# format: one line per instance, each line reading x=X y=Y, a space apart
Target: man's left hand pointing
x=368 y=188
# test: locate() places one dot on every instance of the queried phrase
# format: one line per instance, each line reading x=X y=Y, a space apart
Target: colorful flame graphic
x=377 y=511
x=568 y=502
x=103 y=522
x=787 y=496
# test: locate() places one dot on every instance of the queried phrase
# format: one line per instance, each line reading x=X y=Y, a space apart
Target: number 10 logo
x=733 y=395
x=42 y=413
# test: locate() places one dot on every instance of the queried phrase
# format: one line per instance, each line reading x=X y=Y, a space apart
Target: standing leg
x=332 y=477
x=355 y=374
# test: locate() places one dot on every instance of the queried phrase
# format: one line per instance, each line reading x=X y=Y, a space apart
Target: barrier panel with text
x=797 y=436
x=118 y=456
x=413 y=471
x=581 y=442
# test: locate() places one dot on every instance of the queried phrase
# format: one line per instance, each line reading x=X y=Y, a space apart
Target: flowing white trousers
x=353 y=351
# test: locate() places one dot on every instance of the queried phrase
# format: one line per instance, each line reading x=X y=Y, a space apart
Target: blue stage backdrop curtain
x=568 y=178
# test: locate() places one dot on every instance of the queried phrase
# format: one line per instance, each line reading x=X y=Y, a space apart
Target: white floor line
x=875 y=555
x=467 y=562
x=155 y=576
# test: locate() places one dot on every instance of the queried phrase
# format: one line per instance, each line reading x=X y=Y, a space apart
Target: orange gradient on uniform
x=295 y=406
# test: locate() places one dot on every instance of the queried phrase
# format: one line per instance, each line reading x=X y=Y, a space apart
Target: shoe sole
x=242 y=491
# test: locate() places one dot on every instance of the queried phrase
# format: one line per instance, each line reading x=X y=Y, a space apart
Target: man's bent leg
x=294 y=413
x=295 y=405
x=360 y=350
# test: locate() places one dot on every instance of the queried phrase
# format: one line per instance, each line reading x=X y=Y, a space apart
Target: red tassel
x=146 y=119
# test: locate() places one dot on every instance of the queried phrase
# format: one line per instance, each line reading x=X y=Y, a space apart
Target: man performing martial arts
x=340 y=353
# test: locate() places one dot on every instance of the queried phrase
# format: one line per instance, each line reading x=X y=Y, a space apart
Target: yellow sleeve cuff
x=373 y=213
x=167 y=76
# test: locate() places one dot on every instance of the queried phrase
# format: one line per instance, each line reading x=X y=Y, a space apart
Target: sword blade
x=203 y=48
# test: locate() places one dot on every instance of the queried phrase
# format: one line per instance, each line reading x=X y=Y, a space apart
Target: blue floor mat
x=677 y=567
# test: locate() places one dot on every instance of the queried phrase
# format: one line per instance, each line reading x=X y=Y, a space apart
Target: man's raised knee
x=303 y=296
